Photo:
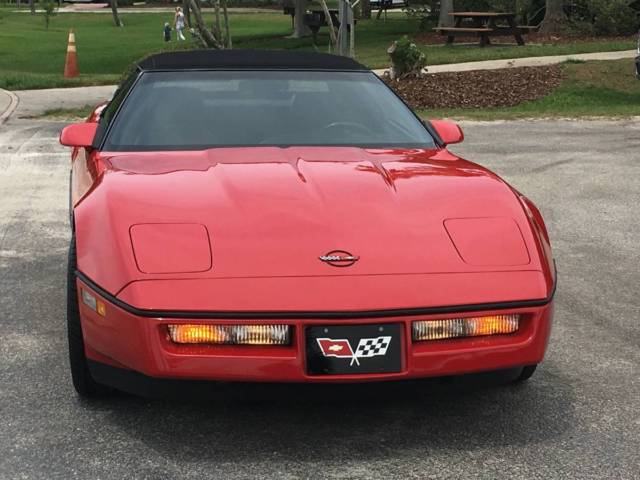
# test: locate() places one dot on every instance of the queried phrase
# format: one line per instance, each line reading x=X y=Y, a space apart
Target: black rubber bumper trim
x=331 y=314
x=136 y=383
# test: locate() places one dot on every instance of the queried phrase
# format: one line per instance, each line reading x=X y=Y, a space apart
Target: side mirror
x=449 y=132
x=78 y=135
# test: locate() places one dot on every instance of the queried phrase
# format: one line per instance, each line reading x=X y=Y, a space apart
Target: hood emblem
x=339 y=258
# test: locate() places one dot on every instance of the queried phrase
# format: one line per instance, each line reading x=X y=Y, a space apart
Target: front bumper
x=139 y=345
x=129 y=342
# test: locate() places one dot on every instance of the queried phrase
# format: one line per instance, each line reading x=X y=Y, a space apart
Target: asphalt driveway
x=579 y=416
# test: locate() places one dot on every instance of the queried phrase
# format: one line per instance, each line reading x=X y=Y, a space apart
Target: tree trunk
x=114 y=10
x=365 y=9
x=201 y=28
x=343 y=31
x=300 y=29
x=446 y=7
x=217 y=26
x=555 y=21
x=187 y=12
x=32 y=7
x=227 y=35
x=332 y=31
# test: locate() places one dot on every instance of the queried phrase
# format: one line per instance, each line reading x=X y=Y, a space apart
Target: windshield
x=193 y=110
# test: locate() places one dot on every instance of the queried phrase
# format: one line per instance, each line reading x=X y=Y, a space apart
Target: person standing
x=178 y=21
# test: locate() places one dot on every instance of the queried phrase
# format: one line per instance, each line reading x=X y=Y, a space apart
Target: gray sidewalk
x=524 y=62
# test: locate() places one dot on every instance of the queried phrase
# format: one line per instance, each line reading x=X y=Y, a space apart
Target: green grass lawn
x=591 y=89
x=33 y=57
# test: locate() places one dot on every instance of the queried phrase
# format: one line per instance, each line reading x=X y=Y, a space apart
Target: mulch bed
x=478 y=89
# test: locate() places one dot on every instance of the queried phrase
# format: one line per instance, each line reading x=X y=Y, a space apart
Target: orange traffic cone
x=71 y=63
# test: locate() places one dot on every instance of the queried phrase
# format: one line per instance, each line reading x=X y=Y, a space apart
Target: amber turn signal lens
x=93 y=303
x=465 y=327
x=231 y=334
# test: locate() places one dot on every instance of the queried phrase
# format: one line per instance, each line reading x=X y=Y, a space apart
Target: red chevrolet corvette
x=285 y=217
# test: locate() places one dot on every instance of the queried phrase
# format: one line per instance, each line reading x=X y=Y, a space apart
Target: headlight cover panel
x=490 y=241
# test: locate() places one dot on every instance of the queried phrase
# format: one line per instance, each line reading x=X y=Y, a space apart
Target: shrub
x=613 y=17
x=605 y=17
x=406 y=58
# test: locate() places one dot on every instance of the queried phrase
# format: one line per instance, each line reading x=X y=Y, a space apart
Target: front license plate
x=353 y=349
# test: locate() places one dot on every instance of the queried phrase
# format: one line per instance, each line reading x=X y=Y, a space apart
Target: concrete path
x=36 y=102
x=8 y=104
x=524 y=62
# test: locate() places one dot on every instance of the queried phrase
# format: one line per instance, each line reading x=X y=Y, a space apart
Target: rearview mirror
x=449 y=132
x=78 y=134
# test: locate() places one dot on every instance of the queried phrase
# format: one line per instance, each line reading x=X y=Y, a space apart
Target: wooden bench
x=453 y=32
x=461 y=30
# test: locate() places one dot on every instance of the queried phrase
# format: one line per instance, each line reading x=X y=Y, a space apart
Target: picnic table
x=485 y=25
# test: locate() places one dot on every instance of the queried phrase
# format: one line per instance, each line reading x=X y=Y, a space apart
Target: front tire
x=526 y=374
x=80 y=375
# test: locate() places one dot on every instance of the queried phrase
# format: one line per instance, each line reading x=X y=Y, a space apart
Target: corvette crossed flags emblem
x=367 y=347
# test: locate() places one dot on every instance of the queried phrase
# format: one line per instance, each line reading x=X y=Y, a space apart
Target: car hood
x=272 y=212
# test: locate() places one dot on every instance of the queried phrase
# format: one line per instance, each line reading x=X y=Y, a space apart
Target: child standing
x=167 y=32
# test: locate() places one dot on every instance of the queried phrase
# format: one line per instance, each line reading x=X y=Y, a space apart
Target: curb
x=13 y=104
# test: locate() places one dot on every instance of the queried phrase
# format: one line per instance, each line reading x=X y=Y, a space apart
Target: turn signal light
x=465 y=327
x=231 y=334
x=93 y=303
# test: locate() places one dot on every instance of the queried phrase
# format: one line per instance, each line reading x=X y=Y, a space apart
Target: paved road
x=577 y=418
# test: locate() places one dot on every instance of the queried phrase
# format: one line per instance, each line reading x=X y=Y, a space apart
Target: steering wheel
x=353 y=125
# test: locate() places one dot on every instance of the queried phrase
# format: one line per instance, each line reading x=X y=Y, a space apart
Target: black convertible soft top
x=248 y=60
